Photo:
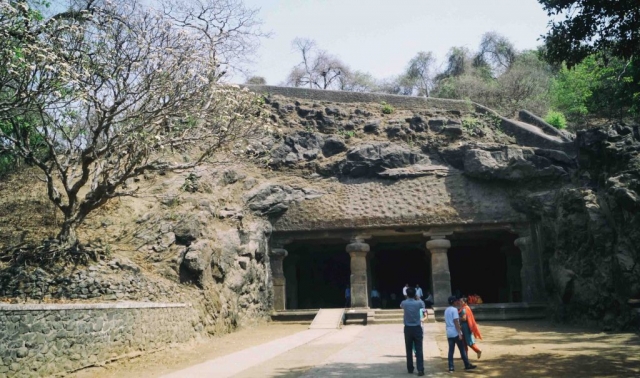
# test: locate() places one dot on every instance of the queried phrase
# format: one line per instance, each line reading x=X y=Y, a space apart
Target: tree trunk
x=67 y=233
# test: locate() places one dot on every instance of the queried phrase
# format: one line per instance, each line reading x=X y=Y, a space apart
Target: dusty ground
x=510 y=349
x=179 y=357
x=541 y=349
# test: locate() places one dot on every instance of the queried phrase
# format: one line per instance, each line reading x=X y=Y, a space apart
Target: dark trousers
x=413 y=338
x=453 y=341
x=347 y=302
x=375 y=302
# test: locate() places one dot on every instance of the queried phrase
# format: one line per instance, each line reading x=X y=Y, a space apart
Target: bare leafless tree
x=229 y=31
x=126 y=90
x=496 y=52
x=318 y=69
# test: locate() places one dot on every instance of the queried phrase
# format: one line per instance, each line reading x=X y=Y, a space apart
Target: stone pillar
x=531 y=273
x=277 y=256
x=440 y=275
x=358 y=251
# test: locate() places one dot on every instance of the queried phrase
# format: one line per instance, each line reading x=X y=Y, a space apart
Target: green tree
x=600 y=39
x=591 y=26
x=572 y=88
x=599 y=86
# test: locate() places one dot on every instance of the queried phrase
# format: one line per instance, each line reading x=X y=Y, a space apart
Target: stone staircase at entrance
x=328 y=318
x=379 y=316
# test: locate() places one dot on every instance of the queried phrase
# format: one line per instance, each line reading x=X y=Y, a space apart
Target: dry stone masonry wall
x=42 y=340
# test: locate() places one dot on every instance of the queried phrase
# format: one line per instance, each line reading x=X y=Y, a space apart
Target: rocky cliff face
x=589 y=230
x=202 y=236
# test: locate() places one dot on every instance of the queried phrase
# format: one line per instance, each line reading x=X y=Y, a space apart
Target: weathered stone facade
x=42 y=340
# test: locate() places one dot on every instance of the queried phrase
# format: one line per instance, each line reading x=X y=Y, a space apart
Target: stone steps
x=394 y=317
x=328 y=318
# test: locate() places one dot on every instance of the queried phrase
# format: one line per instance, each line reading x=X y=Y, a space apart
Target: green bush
x=386 y=108
x=556 y=119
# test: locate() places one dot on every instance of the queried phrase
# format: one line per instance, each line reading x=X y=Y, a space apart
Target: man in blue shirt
x=413 y=334
x=454 y=333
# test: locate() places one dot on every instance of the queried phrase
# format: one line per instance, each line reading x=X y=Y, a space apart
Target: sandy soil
x=541 y=349
x=182 y=356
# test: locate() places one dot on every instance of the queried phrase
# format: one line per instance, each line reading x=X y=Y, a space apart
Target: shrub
x=387 y=109
x=556 y=119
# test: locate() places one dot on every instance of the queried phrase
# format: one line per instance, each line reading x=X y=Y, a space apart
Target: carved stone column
x=277 y=256
x=531 y=273
x=358 y=251
x=440 y=275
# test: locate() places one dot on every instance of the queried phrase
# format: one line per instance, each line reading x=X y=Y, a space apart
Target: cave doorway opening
x=489 y=268
x=395 y=264
x=316 y=274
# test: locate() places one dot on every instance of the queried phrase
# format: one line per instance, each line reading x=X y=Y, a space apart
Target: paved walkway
x=353 y=351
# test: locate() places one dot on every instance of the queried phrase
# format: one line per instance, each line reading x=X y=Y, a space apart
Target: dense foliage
x=598 y=42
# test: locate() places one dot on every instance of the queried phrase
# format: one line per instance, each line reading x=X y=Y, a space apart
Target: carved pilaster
x=277 y=256
x=531 y=273
x=440 y=275
x=358 y=251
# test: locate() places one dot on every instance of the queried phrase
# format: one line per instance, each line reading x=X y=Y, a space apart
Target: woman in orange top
x=469 y=327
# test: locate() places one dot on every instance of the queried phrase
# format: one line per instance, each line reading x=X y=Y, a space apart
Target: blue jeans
x=453 y=341
x=413 y=338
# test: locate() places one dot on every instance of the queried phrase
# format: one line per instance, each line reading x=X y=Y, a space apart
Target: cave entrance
x=395 y=264
x=486 y=265
x=316 y=275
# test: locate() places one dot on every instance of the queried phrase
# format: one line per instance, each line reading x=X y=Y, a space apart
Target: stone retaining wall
x=41 y=340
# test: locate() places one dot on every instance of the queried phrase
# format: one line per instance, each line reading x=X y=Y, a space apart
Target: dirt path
x=541 y=349
x=180 y=357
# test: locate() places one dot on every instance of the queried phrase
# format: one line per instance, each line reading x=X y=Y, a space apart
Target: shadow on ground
x=535 y=365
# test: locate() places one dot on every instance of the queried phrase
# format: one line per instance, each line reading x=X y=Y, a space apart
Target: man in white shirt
x=418 y=292
x=404 y=290
x=454 y=333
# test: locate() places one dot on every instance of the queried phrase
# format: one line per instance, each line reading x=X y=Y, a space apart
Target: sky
x=381 y=36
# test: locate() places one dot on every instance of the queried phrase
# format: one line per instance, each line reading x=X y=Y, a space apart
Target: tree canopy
x=591 y=26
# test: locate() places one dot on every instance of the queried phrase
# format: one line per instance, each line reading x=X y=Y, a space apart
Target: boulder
x=299 y=146
x=417 y=123
x=372 y=127
x=333 y=145
x=453 y=131
x=371 y=158
x=231 y=176
x=270 y=198
x=510 y=164
x=187 y=230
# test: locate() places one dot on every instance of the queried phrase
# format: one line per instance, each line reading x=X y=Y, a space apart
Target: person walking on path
x=418 y=292
x=469 y=327
x=413 y=335
x=404 y=291
x=454 y=333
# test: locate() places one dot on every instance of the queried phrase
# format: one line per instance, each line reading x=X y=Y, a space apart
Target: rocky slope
x=202 y=236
